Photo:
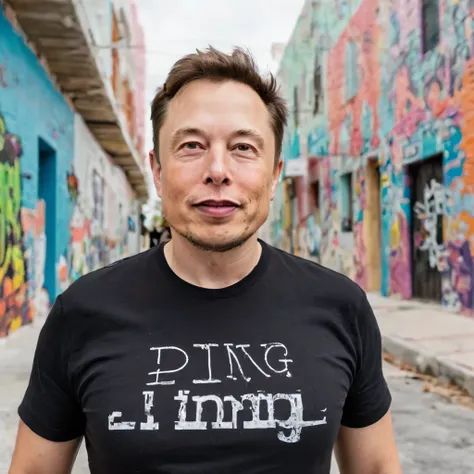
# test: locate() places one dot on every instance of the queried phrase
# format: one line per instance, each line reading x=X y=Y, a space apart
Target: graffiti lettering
x=428 y=212
x=411 y=151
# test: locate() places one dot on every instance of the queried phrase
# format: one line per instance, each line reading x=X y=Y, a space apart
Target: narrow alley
x=370 y=158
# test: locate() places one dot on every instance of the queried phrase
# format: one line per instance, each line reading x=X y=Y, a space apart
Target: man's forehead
x=215 y=94
x=211 y=113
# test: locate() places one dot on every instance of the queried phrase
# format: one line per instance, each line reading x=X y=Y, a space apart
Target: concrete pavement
x=16 y=356
x=429 y=338
x=432 y=434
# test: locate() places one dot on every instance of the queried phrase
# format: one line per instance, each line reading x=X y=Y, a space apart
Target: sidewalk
x=428 y=337
x=16 y=356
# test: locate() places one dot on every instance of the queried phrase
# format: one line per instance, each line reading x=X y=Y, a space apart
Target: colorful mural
x=102 y=205
x=46 y=145
x=35 y=149
x=354 y=78
x=33 y=222
x=15 y=309
x=64 y=209
x=360 y=260
x=388 y=100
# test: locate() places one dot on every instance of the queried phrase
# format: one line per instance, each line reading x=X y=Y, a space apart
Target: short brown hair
x=217 y=66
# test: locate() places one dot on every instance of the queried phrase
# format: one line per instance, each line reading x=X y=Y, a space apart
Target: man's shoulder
x=311 y=276
x=111 y=280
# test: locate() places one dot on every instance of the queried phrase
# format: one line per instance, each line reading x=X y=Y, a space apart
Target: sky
x=177 y=27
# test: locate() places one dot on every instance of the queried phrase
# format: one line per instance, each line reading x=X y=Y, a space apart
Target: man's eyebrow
x=182 y=132
x=253 y=134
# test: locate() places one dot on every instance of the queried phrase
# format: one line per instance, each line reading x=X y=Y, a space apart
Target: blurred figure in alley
x=165 y=235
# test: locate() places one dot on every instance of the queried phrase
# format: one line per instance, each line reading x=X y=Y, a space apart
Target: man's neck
x=211 y=269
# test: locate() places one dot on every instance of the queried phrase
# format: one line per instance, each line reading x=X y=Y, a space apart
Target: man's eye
x=243 y=147
x=191 y=145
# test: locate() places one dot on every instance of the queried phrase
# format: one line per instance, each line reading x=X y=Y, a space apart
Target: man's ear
x=276 y=177
x=156 y=170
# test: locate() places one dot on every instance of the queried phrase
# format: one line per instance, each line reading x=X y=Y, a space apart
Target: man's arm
x=36 y=455
x=369 y=450
x=52 y=421
x=366 y=442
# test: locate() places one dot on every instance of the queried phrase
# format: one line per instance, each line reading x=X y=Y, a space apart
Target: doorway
x=47 y=193
x=373 y=226
x=426 y=178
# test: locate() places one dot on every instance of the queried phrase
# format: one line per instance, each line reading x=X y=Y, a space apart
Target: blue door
x=47 y=192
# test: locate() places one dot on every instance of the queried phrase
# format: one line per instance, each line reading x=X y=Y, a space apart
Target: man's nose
x=217 y=169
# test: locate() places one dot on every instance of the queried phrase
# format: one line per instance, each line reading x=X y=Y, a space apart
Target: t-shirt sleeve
x=369 y=397
x=49 y=407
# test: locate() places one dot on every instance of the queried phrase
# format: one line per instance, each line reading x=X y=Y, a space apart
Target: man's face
x=216 y=176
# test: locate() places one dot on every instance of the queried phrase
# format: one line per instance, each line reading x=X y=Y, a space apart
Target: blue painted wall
x=33 y=110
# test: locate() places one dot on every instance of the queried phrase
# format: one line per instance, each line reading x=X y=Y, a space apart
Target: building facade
x=379 y=167
x=66 y=206
x=118 y=42
x=139 y=87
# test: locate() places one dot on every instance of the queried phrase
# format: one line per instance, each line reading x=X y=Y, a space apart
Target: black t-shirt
x=161 y=376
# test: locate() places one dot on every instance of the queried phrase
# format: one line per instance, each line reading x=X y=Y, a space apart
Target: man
x=213 y=353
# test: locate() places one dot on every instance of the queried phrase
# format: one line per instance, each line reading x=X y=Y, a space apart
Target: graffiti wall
x=15 y=309
x=401 y=98
x=431 y=99
x=36 y=144
x=354 y=72
x=65 y=208
x=104 y=223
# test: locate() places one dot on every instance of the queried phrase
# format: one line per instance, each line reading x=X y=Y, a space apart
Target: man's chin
x=216 y=244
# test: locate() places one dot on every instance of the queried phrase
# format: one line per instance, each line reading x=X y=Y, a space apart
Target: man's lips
x=217 y=208
x=217 y=203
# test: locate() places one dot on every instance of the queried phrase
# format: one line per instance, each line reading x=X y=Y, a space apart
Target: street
x=433 y=435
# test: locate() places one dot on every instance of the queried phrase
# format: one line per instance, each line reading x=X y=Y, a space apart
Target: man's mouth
x=212 y=203
x=217 y=208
